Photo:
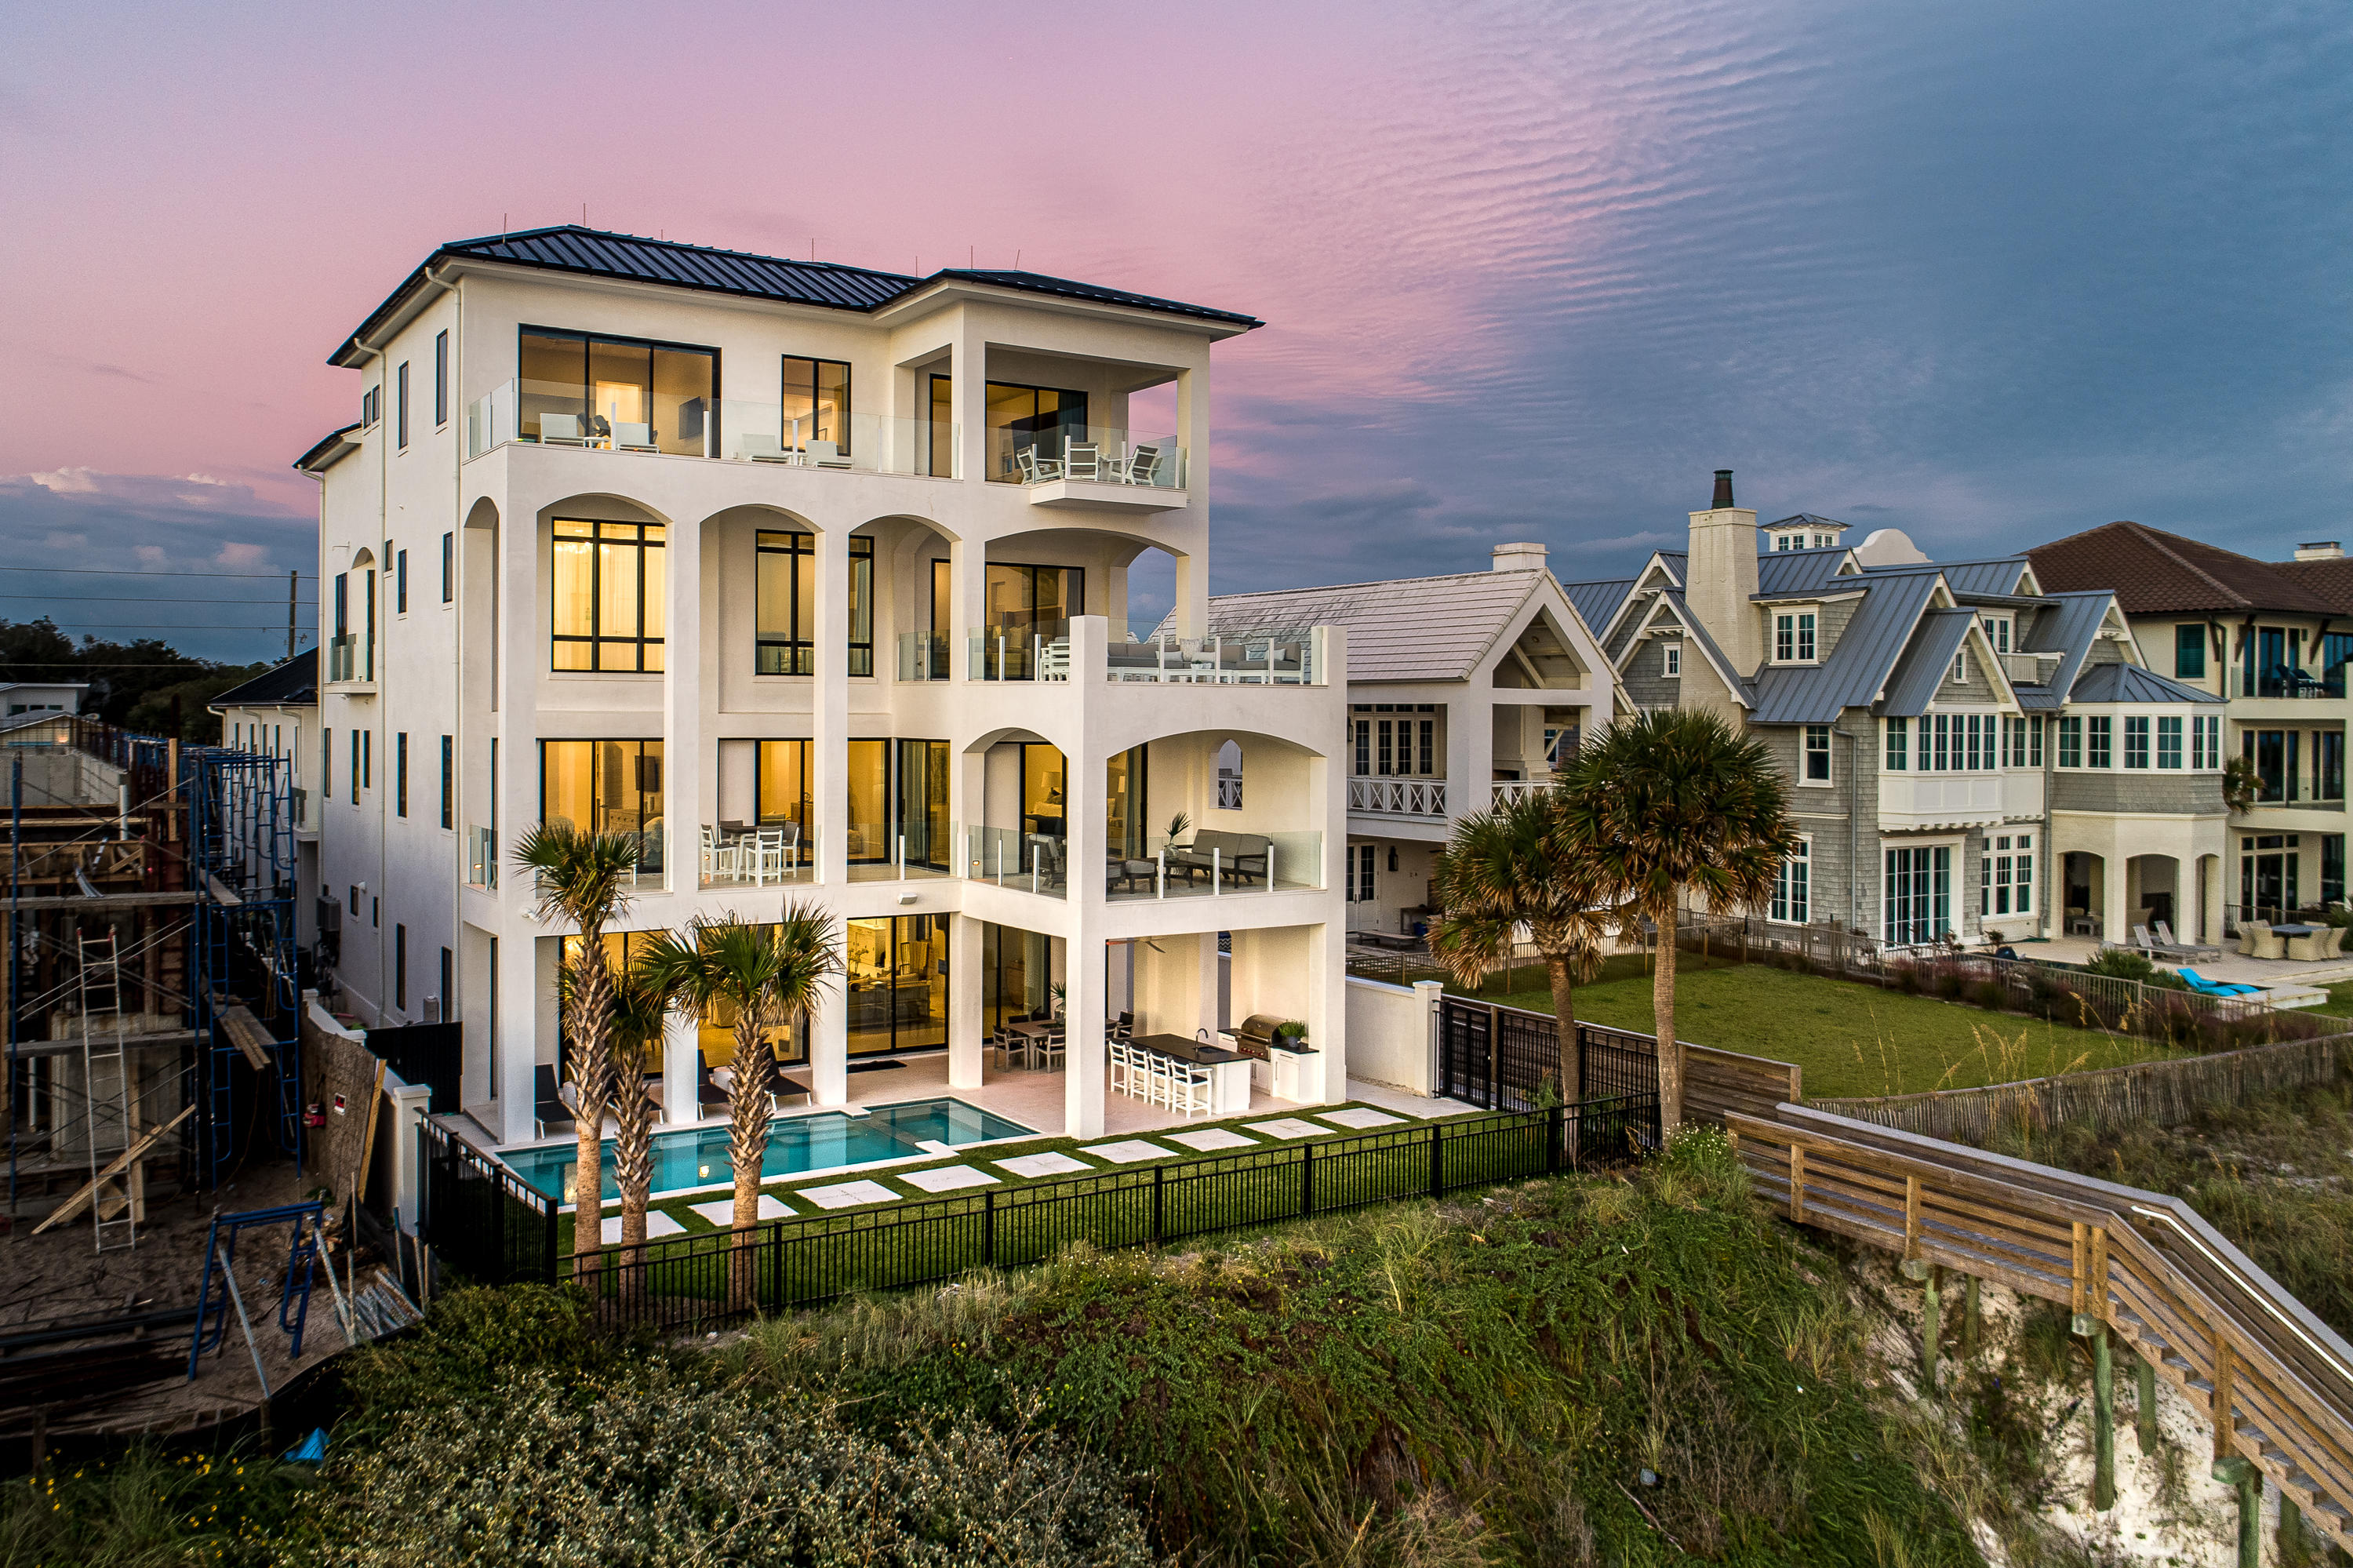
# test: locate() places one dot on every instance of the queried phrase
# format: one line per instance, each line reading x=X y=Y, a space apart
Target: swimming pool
x=697 y=1156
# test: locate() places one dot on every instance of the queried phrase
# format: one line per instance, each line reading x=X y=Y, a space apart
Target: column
x=689 y=785
x=1082 y=980
x=968 y=397
x=1327 y=1012
x=1469 y=758
x=965 y=1019
x=969 y=594
x=829 y=1042
x=1082 y=1000
x=682 y=1070
x=525 y=973
x=829 y=715
x=2116 y=910
x=1192 y=604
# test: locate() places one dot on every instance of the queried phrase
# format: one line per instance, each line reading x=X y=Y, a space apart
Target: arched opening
x=1230 y=777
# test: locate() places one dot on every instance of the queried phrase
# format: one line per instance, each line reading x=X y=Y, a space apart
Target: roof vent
x=1519 y=557
x=2320 y=550
x=1723 y=491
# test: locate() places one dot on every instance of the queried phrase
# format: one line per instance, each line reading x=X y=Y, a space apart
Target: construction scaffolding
x=151 y=967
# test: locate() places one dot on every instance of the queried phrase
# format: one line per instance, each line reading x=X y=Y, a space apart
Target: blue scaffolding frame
x=241 y=864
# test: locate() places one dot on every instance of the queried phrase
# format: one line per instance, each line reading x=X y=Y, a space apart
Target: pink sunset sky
x=1530 y=272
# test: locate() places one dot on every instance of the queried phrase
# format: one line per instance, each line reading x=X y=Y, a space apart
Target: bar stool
x=1117 y=1073
x=1189 y=1090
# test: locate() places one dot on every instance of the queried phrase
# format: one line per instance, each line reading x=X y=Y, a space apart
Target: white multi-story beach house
x=813 y=579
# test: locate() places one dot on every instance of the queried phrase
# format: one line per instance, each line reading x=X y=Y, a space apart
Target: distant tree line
x=132 y=684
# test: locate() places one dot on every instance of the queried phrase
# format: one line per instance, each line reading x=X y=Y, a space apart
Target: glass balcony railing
x=925 y=655
x=1021 y=650
x=554 y=414
x=351 y=657
x=1208 y=864
x=1089 y=454
x=1040 y=651
x=1034 y=862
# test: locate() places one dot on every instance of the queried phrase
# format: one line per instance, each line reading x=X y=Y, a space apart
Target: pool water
x=697 y=1156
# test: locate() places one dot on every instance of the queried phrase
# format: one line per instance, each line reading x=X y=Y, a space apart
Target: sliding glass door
x=626 y=392
x=897 y=981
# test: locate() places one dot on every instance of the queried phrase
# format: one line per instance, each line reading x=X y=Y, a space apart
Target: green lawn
x=1853 y=1039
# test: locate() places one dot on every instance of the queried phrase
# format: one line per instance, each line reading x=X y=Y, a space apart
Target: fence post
x=1555 y=1121
x=548 y=1274
x=988 y=1226
x=1436 y=1164
x=1159 y=1202
x=1494 y=1057
x=1306 y=1180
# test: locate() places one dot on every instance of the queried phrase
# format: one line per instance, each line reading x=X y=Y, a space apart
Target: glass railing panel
x=871 y=443
x=1020 y=651
x=1263 y=659
x=490 y=419
x=1034 y=862
x=1216 y=862
x=481 y=858
x=1087 y=454
x=925 y=655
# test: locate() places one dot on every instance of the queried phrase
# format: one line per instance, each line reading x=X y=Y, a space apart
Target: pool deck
x=1034 y=1099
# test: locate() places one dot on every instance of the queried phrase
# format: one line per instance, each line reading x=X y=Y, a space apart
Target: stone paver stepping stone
x=847 y=1195
x=1049 y=1164
x=721 y=1211
x=1208 y=1138
x=1128 y=1153
x=948 y=1178
x=1289 y=1127
x=657 y=1224
x=1359 y=1117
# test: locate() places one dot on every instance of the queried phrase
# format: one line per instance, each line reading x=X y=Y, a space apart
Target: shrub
x=2119 y=963
x=1989 y=995
x=658 y=1472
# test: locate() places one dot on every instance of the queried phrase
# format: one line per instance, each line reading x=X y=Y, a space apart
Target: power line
x=151 y=626
x=103 y=572
x=137 y=598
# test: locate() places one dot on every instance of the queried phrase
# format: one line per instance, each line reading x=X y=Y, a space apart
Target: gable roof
x=1781 y=573
x=2121 y=682
x=1912 y=687
x=2156 y=573
x=2330 y=579
x=1859 y=663
x=2000 y=577
x=2068 y=627
x=292 y=684
x=1599 y=603
x=1405 y=629
x=592 y=252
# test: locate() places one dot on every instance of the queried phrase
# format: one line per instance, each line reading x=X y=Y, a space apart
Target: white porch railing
x=1506 y=790
x=1398 y=796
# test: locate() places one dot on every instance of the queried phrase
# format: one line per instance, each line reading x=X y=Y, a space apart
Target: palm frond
x=577 y=876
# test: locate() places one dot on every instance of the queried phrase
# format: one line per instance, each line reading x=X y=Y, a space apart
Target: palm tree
x=1514 y=866
x=768 y=977
x=637 y=1015
x=1672 y=805
x=581 y=876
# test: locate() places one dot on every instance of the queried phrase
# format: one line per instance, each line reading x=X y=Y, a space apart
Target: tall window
x=787 y=595
x=400 y=582
x=577 y=389
x=2034 y=742
x=449 y=565
x=2070 y=742
x=2006 y=876
x=1793 y=638
x=2328 y=764
x=2335 y=649
x=1919 y=894
x=1818 y=754
x=400 y=774
x=608 y=593
x=896 y=983
x=449 y=778
x=2332 y=868
x=1027 y=605
x=399 y=965
x=2274 y=753
x=1899 y=745
x=2168 y=742
x=606 y=787
x=2098 y=733
x=817 y=403
x=1362 y=862
x=2205 y=742
x=441 y=378
x=356 y=767
x=2189 y=652
x=1671 y=659
x=400 y=405
x=2137 y=741
x=783 y=791
x=1790 y=890
x=1027 y=427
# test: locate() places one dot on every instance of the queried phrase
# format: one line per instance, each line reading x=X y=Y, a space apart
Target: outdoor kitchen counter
x=1229 y=1074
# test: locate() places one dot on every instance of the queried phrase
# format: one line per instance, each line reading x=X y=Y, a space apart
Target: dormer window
x=1996 y=630
x=1671 y=658
x=1793 y=637
x=1824 y=541
x=1961 y=668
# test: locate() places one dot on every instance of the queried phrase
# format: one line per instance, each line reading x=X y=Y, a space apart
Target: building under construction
x=154 y=988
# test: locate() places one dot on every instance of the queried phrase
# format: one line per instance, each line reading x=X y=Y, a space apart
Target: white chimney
x=1520 y=557
x=1721 y=580
x=2320 y=550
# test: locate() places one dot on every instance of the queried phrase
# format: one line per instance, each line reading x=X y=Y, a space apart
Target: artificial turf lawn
x=1853 y=1039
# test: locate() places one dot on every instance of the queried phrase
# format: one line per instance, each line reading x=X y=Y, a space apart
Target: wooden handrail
x=2277 y=1382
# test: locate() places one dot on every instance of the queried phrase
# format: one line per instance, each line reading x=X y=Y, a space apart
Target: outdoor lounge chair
x=1240 y=856
x=550 y=1117
x=2166 y=940
x=633 y=438
x=2205 y=987
x=561 y=430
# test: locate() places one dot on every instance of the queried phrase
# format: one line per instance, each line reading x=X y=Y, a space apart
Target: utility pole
x=291 y=579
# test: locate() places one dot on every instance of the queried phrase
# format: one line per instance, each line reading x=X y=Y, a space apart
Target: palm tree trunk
x=592 y=1071
x=748 y=1109
x=1564 y=1022
x=1663 y=1010
x=633 y=1173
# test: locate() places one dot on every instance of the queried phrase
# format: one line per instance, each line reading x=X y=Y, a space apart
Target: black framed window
x=400 y=582
x=441 y=378
x=449 y=565
x=1025 y=424
x=400 y=774
x=817 y=403
x=447 y=997
x=896 y=983
x=1023 y=605
x=449 y=778
x=608 y=598
x=606 y=787
x=2189 y=652
x=399 y=965
x=400 y=406
x=580 y=388
x=787 y=630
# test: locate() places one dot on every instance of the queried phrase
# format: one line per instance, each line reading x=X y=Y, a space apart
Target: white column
x=969 y=600
x=1082 y=1001
x=682 y=1070
x=525 y=971
x=2115 y=913
x=964 y=1002
x=968 y=397
x=688 y=785
x=1326 y=1079
x=829 y=715
x=829 y=1044
x=1083 y=786
x=1470 y=758
x=1192 y=606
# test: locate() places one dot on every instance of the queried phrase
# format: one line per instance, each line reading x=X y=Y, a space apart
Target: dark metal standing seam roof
x=1597 y=603
x=2068 y=628
x=569 y=248
x=294 y=683
x=1858 y=666
x=1927 y=662
x=2130 y=684
x=1780 y=573
x=1999 y=576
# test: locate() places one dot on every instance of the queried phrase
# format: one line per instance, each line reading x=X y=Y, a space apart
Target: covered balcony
x=1019 y=647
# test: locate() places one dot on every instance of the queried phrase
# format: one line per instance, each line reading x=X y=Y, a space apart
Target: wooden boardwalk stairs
x=2275 y=1380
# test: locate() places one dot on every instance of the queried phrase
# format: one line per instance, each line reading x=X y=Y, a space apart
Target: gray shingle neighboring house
x=1967 y=753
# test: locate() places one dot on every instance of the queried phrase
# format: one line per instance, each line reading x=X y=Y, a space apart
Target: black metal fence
x=700 y=1281
x=427 y=1055
x=483 y=1218
x=1501 y=1058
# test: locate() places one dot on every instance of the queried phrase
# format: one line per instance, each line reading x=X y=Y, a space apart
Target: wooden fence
x=2164 y=1092
x=2277 y=1382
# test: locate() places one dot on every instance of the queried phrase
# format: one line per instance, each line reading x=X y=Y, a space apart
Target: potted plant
x=1178 y=826
x=1290 y=1034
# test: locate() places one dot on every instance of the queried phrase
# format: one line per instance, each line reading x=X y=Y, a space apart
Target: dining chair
x=2265 y=943
x=1052 y=1053
x=765 y=856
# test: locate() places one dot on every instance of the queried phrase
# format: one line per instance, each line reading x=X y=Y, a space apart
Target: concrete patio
x=2232 y=967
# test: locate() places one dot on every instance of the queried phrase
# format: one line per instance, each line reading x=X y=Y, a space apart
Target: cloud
x=240 y=553
x=66 y=482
